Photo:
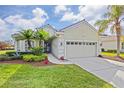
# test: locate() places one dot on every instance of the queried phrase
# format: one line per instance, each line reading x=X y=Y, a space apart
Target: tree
x=112 y=19
x=28 y=35
x=3 y=45
x=41 y=35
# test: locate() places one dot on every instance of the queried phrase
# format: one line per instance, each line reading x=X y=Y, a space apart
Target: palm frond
x=116 y=10
x=102 y=24
x=41 y=34
x=26 y=34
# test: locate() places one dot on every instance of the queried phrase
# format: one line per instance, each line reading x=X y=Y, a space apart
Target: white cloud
x=14 y=23
x=2 y=23
x=40 y=16
x=60 y=9
x=90 y=13
x=68 y=16
x=3 y=29
x=3 y=26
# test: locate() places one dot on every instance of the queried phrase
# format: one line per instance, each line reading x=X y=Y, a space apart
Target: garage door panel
x=82 y=49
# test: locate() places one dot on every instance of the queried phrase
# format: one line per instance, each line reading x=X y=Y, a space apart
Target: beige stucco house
x=110 y=43
x=77 y=40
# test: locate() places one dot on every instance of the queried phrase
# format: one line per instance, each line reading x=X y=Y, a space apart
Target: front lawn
x=56 y=76
x=111 y=54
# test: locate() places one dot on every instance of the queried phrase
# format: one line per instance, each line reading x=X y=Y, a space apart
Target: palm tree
x=41 y=35
x=28 y=35
x=112 y=19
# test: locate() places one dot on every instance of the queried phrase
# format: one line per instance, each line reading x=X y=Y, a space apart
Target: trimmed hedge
x=34 y=58
x=112 y=51
x=23 y=53
x=10 y=53
x=20 y=53
x=8 y=58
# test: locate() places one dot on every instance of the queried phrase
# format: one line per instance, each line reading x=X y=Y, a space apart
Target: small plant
x=34 y=58
x=62 y=58
x=46 y=61
x=37 y=50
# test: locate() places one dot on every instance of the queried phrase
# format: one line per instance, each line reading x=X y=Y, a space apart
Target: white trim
x=79 y=22
x=65 y=49
x=82 y=40
x=96 y=45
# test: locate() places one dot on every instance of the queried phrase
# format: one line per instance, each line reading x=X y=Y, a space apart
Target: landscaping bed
x=112 y=56
x=23 y=62
x=35 y=57
x=115 y=58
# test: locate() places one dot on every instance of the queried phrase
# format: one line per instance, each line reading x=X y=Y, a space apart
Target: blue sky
x=15 y=18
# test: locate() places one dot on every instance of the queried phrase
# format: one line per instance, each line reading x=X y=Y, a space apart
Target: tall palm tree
x=41 y=35
x=28 y=35
x=112 y=19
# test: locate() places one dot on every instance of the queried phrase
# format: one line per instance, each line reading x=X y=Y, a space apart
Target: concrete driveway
x=108 y=70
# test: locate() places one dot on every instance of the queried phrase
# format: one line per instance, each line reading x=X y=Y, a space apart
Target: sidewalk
x=53 y=59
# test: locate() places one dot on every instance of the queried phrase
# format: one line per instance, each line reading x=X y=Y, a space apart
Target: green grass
x=56 y=76
x=4 y=51
x=111 y=54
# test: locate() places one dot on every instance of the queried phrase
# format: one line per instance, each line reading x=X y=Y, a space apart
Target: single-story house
x=77 y=40
x=110 y=43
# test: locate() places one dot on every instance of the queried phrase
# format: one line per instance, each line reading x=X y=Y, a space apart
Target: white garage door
x=76 y=49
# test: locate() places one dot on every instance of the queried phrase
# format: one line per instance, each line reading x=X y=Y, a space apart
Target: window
x=93 y=43
x=26 y=46
x=80 y=43
x=72 y=43
x=83 y=43
x=86 y=43
x=68 y=43
x=32 y=43
x=90 y=43
x=76 y=43
x=122 y=45
x=18 y=46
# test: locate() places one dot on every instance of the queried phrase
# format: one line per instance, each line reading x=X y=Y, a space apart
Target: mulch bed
x=120 y=59
x=31 y=63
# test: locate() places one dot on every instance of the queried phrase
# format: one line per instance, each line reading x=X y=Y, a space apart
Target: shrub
x=37 y=50
x=7 y=58
x=102 y=50
x=10 y=53
x=23 y=53
x=111 y=51
x=100 y=56
x=14 y=57
x=4 y=58
x=34 y=58
x=27 y=57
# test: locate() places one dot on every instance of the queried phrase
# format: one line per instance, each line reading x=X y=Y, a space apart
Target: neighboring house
x=110 y=43
x=77 y=40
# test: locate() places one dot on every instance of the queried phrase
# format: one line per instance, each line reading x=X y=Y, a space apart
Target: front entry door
x=47 y=47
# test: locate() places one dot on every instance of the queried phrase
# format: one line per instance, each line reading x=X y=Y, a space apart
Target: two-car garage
x=76 y=49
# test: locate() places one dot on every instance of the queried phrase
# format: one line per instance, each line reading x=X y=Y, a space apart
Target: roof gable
x=49 y=26
x=82 y=21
